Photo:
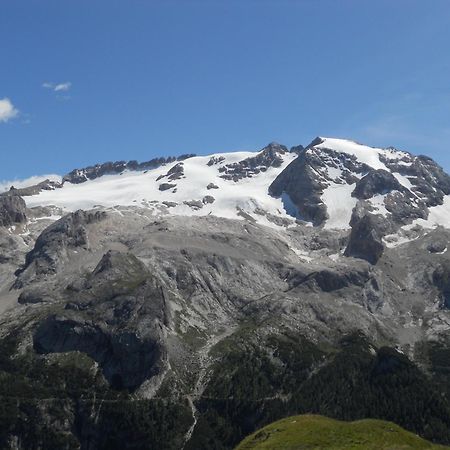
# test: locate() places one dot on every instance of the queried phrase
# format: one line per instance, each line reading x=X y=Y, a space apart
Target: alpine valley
x=184 y=303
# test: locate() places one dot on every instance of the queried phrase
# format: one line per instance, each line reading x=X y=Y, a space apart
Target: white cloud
x=63 y=86
x=57 y=87
x=17 y=183
x=7 y=110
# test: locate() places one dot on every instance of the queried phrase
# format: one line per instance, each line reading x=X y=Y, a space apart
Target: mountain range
x=183 y=303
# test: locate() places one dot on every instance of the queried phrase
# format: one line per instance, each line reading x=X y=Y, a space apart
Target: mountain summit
x=320 y=184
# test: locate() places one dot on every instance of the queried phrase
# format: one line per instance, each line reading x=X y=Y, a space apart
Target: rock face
x=376 y=182
x=441 y=278
x=299 y=182
x=429 y=181
x=52 y=245
x=268 y=157
x=366 y=238
x=12 y=210
x=403 y=184
x=116 y=319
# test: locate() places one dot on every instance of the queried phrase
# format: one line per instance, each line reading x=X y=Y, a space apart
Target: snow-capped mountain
x=176 y=294
x=320 y=184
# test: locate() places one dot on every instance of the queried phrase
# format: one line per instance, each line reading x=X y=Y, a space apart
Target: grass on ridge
x=317 y=432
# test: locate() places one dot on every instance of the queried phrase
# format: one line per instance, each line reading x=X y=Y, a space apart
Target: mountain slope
x=220 y=184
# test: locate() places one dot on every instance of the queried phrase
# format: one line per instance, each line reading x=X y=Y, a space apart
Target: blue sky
x=90 y=81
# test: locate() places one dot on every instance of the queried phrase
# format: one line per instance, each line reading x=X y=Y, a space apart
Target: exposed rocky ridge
x=77 y=176
x=269 y=156
x=300 y=183
x=429 y=181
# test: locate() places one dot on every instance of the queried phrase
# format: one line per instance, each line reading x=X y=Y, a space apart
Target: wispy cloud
x=7 y=110
x=57 y=87
x=5 y=185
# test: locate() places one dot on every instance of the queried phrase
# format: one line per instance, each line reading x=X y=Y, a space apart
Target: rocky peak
x=399 y=186
x=118 y=267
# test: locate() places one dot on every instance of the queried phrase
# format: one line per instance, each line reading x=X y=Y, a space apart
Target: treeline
x=257 y=383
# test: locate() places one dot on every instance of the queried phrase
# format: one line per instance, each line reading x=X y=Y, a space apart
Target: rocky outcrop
x=77 y=176
x=304 y=181
x=441 y=279
x=376 y=182
x=169 y=204
x=215 y=160
x=166 y=186
x=174 y=173
x=366 y=236
x=35 y=294
x=299 y=181
x=12 y=210
x=194 y=204
x=126 y=359
x=329 y=280
x=208 y=199
x=429 y=181
x=116 y=318
x=268 y=157
x=50 y=249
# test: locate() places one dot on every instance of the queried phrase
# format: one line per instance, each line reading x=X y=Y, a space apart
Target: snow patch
x=340 y=203
x=377 y=201
x=364 y=154
x=439 y=215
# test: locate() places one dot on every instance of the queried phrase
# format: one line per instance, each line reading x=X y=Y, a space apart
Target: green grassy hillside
x=318 y=432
